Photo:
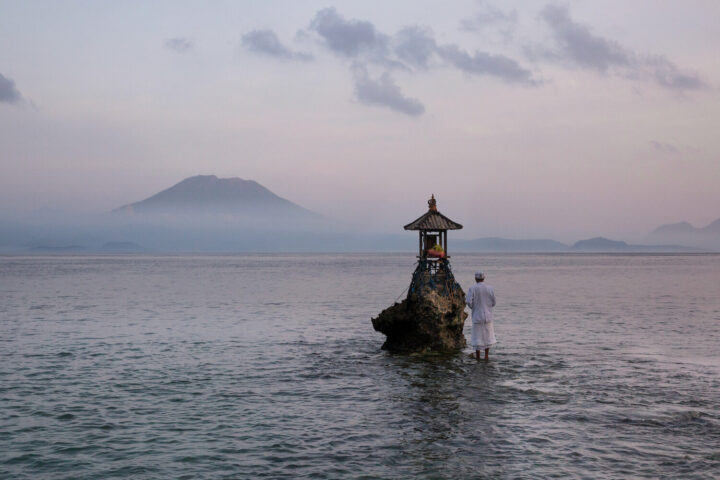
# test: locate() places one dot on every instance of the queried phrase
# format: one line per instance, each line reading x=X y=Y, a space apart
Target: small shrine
x=432 y=316
x=433 y=258
x=433 y=227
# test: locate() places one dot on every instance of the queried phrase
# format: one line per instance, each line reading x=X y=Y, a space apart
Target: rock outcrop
x=432 y=316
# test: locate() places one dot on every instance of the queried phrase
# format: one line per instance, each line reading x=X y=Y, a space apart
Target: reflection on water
x=266 y=366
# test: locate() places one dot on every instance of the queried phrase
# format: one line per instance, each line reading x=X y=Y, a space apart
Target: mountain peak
x=199 y=179
x=208 y=179
x=681 y=227
x=208 y=194
x=713 y=227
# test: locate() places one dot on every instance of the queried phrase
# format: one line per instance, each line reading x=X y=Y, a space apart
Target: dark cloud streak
x=414 y=45
x=384 y=92
x=489 y=16
x=179 y=44
x=578 y=45
x=8 y=92
x=347 y=37
x=266 y=42
x=664 y=147
x=668 y=75
x=482 y=63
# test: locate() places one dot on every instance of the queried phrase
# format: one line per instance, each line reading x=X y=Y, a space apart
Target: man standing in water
x=481 y=299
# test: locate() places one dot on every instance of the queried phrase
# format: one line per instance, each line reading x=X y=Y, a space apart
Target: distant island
x=600 y=244
x=596 y=245
x=707 y=237
x=205 y=213
x=686 y=228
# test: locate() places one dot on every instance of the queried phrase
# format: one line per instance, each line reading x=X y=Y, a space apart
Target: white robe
x=481 y=298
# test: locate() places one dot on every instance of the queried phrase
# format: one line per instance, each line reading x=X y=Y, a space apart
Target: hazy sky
x=526 y=119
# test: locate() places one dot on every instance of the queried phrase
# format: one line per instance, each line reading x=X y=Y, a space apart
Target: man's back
x=481 y=298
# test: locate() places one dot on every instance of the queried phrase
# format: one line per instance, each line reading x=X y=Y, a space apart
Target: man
x=481 y=300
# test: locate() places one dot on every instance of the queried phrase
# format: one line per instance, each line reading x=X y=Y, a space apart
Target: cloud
x=179 y=44
x=664 y=147
x=490 y=16
x=414 y=45
x=483 y=63
x=266 y=42
x=8 y=92
x=384 y=92
x=668 y=75
x=347 y=37
x=412 y=49
x=576 y=44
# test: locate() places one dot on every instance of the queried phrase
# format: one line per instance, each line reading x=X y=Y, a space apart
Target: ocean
x=267 y=366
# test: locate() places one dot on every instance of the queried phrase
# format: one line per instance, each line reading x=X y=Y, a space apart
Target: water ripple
x=248 y=367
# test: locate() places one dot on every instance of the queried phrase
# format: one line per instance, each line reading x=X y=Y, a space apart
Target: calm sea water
x=267 y=366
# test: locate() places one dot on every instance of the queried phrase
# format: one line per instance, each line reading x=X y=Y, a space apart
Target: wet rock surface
x=431 y=318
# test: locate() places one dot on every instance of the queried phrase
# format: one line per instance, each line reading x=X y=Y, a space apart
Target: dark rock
x=432 y=316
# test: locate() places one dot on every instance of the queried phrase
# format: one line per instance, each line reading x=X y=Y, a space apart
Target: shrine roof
x=433 y=220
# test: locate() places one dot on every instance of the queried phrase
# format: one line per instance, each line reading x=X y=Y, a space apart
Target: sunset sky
x=525 y=119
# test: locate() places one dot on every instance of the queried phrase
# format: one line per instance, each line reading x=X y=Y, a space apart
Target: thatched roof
x=433 y=220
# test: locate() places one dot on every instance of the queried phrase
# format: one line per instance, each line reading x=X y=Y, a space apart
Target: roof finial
x=432 y=204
